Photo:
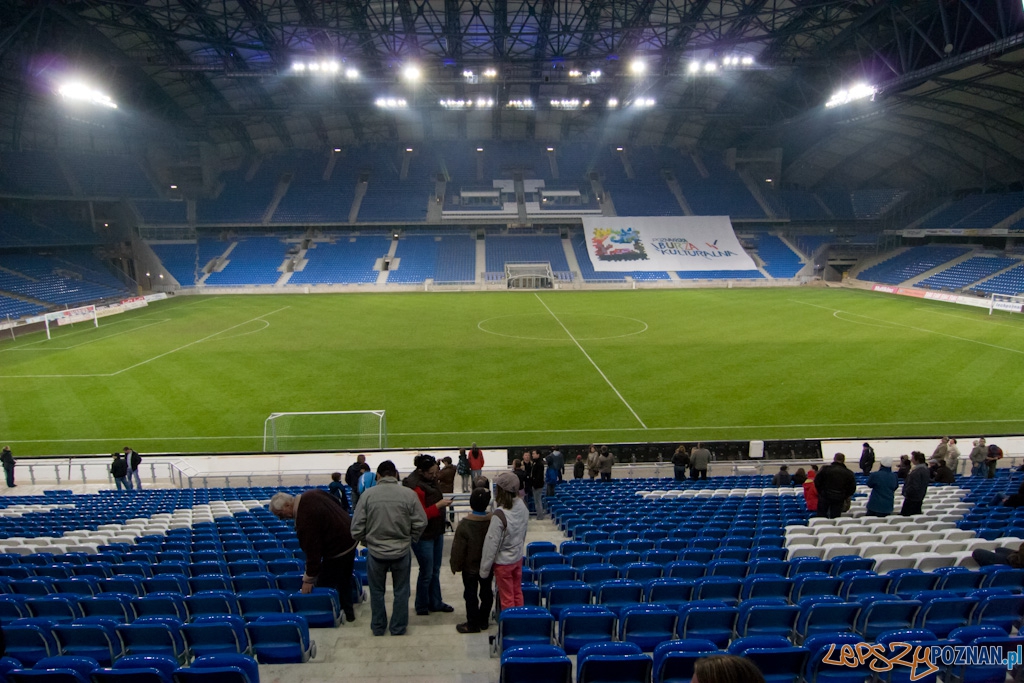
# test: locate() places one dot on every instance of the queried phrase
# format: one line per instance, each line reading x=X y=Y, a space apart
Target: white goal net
x=1005 y=302
x=325 y=430
x=529 y=275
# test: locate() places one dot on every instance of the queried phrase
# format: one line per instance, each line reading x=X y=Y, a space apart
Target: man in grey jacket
x=916 y=486
x=388 y=519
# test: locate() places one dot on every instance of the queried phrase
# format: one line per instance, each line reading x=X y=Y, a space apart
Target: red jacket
x=811 y=493
x=476 y=459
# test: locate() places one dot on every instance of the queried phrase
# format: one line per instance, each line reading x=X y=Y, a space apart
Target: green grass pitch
x=200 y=374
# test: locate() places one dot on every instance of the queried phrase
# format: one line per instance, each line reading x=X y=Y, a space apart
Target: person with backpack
x=503 y=545
x=337 y=489
x=867 y=459
x=467 y=550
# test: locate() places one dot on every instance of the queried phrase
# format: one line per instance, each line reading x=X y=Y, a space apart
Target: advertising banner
x=662 y=243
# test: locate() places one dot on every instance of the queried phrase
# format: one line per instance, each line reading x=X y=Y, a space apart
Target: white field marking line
x=819 y=425
x=266 y=324
x=983 y=320
x=838 y=315
x=584 y=352
x=148 y=360
x=889 y=323
x=480 y=327
x=91 y=341
x=80 y=330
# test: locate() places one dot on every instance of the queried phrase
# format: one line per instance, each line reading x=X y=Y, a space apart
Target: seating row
x=224 y=668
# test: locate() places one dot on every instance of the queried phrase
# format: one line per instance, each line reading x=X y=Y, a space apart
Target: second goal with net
x=325 y=430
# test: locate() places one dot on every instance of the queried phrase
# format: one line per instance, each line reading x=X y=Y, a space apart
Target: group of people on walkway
x=124 y=468
x=398 y=520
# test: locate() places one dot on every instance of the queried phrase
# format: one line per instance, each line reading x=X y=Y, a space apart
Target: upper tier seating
x=966 y=272
x=798 y=205
x=722 y=193
x=839 y=203
x=311 y=199
x=976 y=211
x=253 y=261
x=347 y=260
x=111 y=175
x=162 y=212
x=444 y=258
x=910 y=264
x=245 y=201
x=32 y=173
x=871 y=204
x=643 y=197
x=779 y=260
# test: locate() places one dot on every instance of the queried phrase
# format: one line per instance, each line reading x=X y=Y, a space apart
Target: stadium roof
x=948 y=112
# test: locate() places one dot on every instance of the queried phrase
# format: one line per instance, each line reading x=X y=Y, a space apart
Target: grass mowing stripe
x=596 y=367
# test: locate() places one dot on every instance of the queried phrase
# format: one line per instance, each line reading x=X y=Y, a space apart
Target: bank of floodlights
x=76 y=91
x=710 y=67
x=861 y=91
x=643 y=103
x=391 y=103
x=519 y=104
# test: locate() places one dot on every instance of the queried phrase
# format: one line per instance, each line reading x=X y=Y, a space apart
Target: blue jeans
x=377 y=574
x=428 y=581
x=123 y=481
x=134 y=475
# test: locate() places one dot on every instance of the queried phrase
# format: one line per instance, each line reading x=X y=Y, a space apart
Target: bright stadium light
x=337 y=150
x=411 y=73
x=747 y=61
x=710 y=68
x=575 y=73
x=408 y=149
x=860 y=91
x=490 y=73
x=80 y=92
x=484 y=103
x=644 y=102
x=612 y=102
x=174 y=187
x=298 y=67
x=314 y=66
x=351 y=74
x=638 y=67
x=693 y=67
x=467 y=74
x=479 y=149
x=390 y=103
x=551 y=149
x=520 y=104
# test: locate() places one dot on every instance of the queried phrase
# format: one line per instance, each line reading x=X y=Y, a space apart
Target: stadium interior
x=293 y=147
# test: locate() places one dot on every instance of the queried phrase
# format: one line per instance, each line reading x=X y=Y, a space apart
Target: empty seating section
x=444 y=258
x=209 y=249
x=809 y=244
x=525 y=249
x=643 y=197
x=720 y=275
x=43 y=231
x=180 y=259
x=798 y=205
x=16 y=308
x=32 y=173
x=244 y=200
x=72 y=278
x=389 y=199
x=967 y=272
x=253 y=261
x=347 y=260
x=311 y=199
x=872 y=204
x=779 y=260
x=976 y=211
x=839 y=203
x=911 y=263
x=722 y=193
x=161 y=212
x=1011 y=282
x=111 y=175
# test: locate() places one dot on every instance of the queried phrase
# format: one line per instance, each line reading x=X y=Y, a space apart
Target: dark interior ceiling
x=950 y=73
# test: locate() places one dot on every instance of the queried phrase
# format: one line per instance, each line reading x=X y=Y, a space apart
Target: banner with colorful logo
x=663 y=243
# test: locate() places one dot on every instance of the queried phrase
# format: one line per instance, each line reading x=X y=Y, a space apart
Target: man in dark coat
x=352 y=474
x=323 y=528
x=835 y=485
x=867 y=459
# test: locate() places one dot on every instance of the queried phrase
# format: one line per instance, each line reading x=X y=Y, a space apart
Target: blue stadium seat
x=261 y=603
x=138 y=669
x=825 y=615
x=582 y=624
x=222 y=668
x=879 y=615
x=535 y=664
x=669 y=591
x=562 y=594
x=94 y=637
x=520 y=626
x=777 y=659
x=61 y=609
x=766 y=616
x=281 y=639
x=612 y=663
x=710 y=621
x=674 y=660
x=321 y=607
x=29 y=640
x=647 y=625
x=217 y=634
x=618 y=594
x=818 y=671
x=158 y=636
x=59 y=669
x=162 y=604
x=942 y=614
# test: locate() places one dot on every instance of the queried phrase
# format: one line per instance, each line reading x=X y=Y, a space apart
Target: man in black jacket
x=352 y=474
x=119 y=471
x=134 y=460
x=835 y=485
x=916 y=486
x=536 y=477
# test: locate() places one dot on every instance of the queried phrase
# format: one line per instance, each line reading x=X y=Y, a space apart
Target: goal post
x=531 y=275
x=1005 y=302
x=70 y=317
x=325 y=430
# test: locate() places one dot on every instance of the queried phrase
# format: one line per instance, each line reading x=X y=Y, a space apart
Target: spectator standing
x=836 y=485
x=978 y=455
x=592 y=457
x=446 y=478
x=536 y=483
x=476 y=461
x=557 y=460
x=604 y=463
x=867 y=458
x=7 y=458
x=953 y=455
x=800 y=476
x=700 y=457
x=941 y=450
x=517 y=469
x=119 y=471
x=467 y=549
x=324 y=530
x=942 y=474
x=680 y=462
x=782 y=477
x=992 y=458
x=388 y=519
x=430 y=548
x=916 y=486
x=463 y=470
x=352 y=474
x=367 y=479
x=337 y=489
x=883 y=484
x=503 y=545
x=578 y=467
x=811 y=493
x=134 y=461
x=904 y=468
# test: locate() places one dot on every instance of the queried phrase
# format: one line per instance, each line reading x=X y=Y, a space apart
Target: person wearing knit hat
x=883 y=484
x=467 y=548
x=503 y=545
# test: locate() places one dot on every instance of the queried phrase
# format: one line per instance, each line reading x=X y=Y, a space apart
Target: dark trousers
x=866 y=470
x=9 y=473
x=336 y=573
x=984 y=558
x=377 y=574
x=680 y=472
x=990 y=473
x=698 y=474
x=830 y=509
x=606 y=476
x=911 y=507
x=869 y=513
x=428 y=582
x=478 y=609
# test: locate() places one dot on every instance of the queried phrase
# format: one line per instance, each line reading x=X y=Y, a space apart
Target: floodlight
x=694 y=67
x=174 y=187
x=351 y=74
x=314 y=66
x=147 y=274
x=644 y=102
x=573 y=73
x=551 y=149
x=767 y=180
x=595 y=74
x=408 y=149
x=612 y=102
x=298 y=67
x=106 y=225
x=638 y=67
x=858 y=92
x=337 y=149
x=161 y=276
x=467 y=74
x=490 y=73
x=520 y=104
x=748 y=61
x=332 y=67
x=83 y=93
x=484 y=102
x=479 y=149
x=411 y=72
x=710 y=67
x=618 y=149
